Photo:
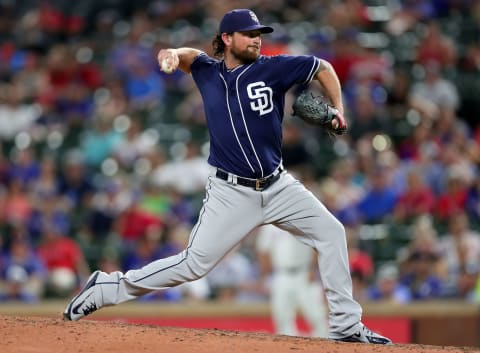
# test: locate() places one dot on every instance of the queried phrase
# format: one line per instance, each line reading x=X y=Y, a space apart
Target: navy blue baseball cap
x=242 y=20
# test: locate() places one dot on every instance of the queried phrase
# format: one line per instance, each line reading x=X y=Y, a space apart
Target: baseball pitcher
x=244 y=94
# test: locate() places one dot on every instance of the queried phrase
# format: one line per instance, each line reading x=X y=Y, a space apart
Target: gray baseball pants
x=229 y=213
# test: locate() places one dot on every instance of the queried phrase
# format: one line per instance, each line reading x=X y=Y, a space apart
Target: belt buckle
x=258 y=183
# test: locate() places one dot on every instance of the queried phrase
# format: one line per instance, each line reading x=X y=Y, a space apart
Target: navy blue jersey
x=244 y=109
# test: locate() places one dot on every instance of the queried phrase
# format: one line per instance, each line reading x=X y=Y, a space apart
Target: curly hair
x=218 y=46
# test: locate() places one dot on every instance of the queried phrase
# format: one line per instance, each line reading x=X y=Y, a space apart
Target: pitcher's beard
x=245 y=56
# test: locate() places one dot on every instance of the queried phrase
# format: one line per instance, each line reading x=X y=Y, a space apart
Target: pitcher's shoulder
x=272 y=58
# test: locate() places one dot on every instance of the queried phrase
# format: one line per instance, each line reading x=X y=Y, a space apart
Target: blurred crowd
x=103 y=157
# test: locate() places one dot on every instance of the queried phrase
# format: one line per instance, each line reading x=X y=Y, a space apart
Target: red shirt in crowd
x=61 y=252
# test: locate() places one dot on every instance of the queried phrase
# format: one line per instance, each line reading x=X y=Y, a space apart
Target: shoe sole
x=90 y=283
x=351 y=340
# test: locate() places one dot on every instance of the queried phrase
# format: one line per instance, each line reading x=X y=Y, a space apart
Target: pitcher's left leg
x=289 y=205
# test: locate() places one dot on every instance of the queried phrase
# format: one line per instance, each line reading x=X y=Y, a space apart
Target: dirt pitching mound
x=20 y=334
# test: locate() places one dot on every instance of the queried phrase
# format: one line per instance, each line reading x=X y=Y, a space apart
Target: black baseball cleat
x=84 y=303
x=365 y=335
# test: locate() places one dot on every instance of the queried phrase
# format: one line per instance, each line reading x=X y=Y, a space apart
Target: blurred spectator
x=75 y=182
x=434 y=93
x=343 y=173
x=387 y=288
x=453 y=198
x=157 y=201
x=103 y=29
x=366 y=118
x=457 y=163
x=460 y=247
x=418 y=199
x=22 y=272
x=50 y=119
x=49 y=208
x=64 y=69
x=75 y=104
x=380 y=199
x=346 y=51
x=421 y=143
x=452 y=130
x=56 y=20
x=16 y=114
x=47 y=181
x=24 y=167
x=340 y=192
x=65 y=262
x=347 y=14
x=422 y=267
x=134 y=221
x=190 y=110
x=136 y=143
x=406 y=14
x=423 y=236
x=365 y=161
x=398 y=90
x=429 y=161
x=370 y=71
x=125 y=54
x=108 y=202
x=187 y=174
x=115 y=101
x=420 y=278
x=396 y=169
x=31 y=77
x=15 y=205
x=144 y=87
x=100 y=142
x=435 y=46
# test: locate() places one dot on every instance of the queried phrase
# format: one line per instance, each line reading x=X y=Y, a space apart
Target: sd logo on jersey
x=261 y=97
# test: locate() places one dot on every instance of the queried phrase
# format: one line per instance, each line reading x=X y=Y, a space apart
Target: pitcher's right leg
x=105 y=289
x=217 y=231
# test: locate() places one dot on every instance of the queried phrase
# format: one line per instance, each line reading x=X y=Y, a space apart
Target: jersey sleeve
x=201 y=62
x=300 y=69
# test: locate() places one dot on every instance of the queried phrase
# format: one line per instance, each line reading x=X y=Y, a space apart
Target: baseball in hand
x=335 y=124
x=166 y=67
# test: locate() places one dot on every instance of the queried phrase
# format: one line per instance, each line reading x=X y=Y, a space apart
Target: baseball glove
x=316 y=111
